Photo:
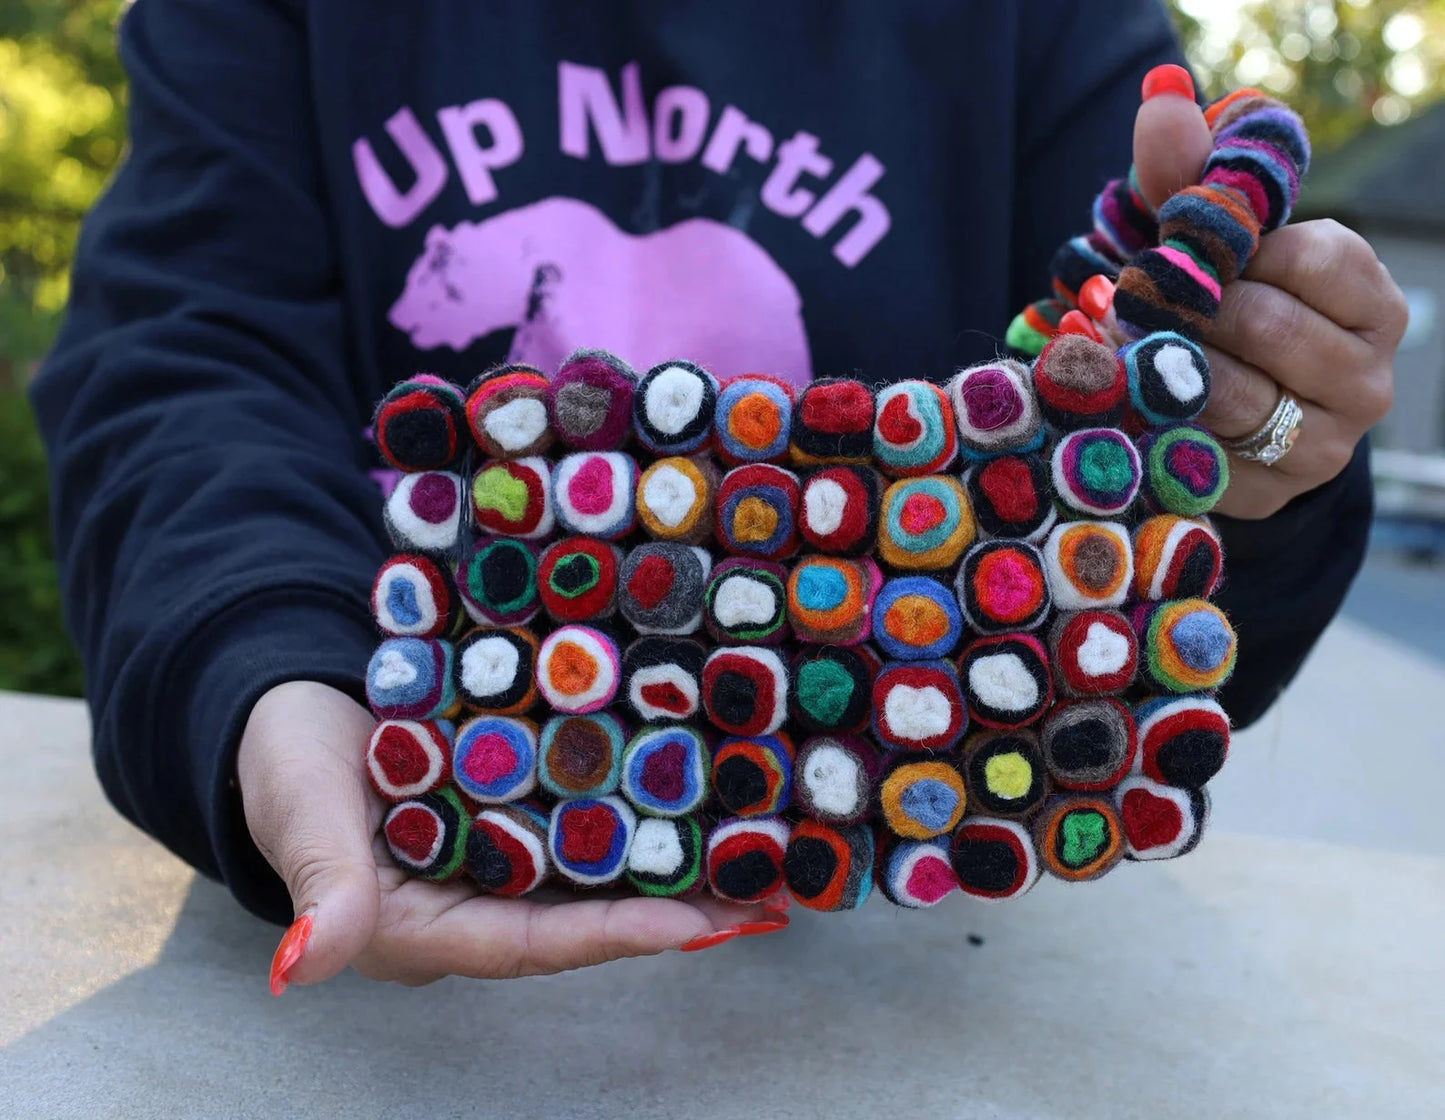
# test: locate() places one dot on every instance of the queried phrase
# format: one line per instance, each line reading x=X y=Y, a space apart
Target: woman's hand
x=316 y=820
x=1315 y=314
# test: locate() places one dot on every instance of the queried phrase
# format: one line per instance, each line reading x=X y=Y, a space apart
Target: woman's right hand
x=317 y=821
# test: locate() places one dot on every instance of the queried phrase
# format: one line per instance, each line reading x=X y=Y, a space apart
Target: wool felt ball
x=1185 y=470
x=1186 y=645
x=498 y=582
x=745 y=690
x=916 y=618
x=994 y=859
x=918 y=706
x=838 y=512
x=666 y=857
x=406 y=758
x=595 y=494
x=427 y=835
x=589 y=400
x=1089 y=744
x=579 y=669
x=831 y=598
x=420 y=425
x=996 y=409
x=1177 y=558
x=513 y=498
x=1160 y=821
x=827 y=868
x=660 y=587
x=665 y=770
x=1096 y=472
x=914 y=432
x=494 y=759
x=1183 y=740
x=1168 y=288
x=834 y=777
x=753 y=777
x=1006 y=680
x=1262 y=156
x=1075 y=261
x=754 y=419
x=507 y=412
x=496 y=670
x=588 y=839
x=412 y=597
x=1005 y=773
x=675 y=499
x=1169 y=379
x=915 y=874
x=1094 y=653
x=1001 y=586
x=1088 y=564
x=506 y=850
x=757 y=512
x=924 y=524
x=1079 y=836
x=830 y=688
x=832 y=423
x=673 y=408
x=581 y=756
x=577 y=579
x=1123 y=219
x=662 y=678
x=424 y=513
x=1080 y=383
x=1012 y=496
x=1215 y=222
x=746 y=602
x=410 y=678
x=920 y=798
x=745 y=858
x=1030 y=330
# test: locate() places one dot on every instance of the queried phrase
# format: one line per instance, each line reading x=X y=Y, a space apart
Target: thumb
x=1171 y=138
x=313 y=816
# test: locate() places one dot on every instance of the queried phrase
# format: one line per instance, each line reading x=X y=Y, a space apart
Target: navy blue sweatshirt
x=323 y=197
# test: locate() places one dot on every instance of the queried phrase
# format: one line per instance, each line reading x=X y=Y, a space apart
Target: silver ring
x=1275 y=438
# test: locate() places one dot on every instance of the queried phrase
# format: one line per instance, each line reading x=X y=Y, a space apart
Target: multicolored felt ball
x=1168 y=377
x=666 y=857
x=507 y=412
x=914 y=432
x=1177 y=558
x=410 y=678
x=918 y=706
x=498 y=582
x=427 y=835
x=1094 y=653
x=1005 y=773
x=827 y=868
x=1123 y=218
x=832 y=423
x=757 y=512
x=496 y=670
x=408 y=758
x=753 y=777
x=916 y=618
x=830 y=688
x=915 y=874
x=745 y=690
x=513 y=498
x=660 y=587
x=424 y=513
x=1006 y=680
x=920 y=798
x=506 y=850
x=662 y=678
x=665 y=770
x=754 y=419
x=420 y=424
x=1097 y=472
x=1216 y=223
x=673 y=409
x=1001 y=586
x=581 y=756
x=1186 y=645
x=830 y=599
x=1079 y=837
x=588 y=839
x=675 y=499
x=494 y=759
x=1183 y=740
x=578 y=669
x=577 y=579
x=746 y=602
x=412 y=597
x=1012 y=496
x=1080 y=383
x=1077 y=261
x=1160 y=821
x=1261 y=151
x=838 y=513
x=1186 y=472
x=1030 y=330
x=589 y=400
x=996 y=409
x=833 y=777
x=595 y=494
x=745 y=858
x=1089 y=744
x=994 y=859
x=1171 y=287
x=925 y=523
x=1089 y=564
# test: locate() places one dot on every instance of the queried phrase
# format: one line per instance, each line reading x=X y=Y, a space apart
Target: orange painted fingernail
x=751 y=929
x=293 y=944
x=1076 y=322
x=1168 y=79
x=708 y=940
x=1096 y=295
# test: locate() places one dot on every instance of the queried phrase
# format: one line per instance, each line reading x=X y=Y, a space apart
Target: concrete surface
x=1296 y=972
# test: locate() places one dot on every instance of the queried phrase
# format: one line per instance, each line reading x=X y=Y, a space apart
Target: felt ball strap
x=829 y=868
x=420 y=424
x=506 y=411
x=589 y=400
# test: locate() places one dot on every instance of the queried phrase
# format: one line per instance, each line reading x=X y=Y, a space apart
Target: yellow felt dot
x=1008 y=775
x=754 y=520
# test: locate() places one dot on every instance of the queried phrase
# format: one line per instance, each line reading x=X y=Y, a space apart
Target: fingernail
x=751 y=929
x=778 y=904
x=708 y=940
x=293 y=944
x=1168 y=79
x=1096 y=295
x=1076 y=322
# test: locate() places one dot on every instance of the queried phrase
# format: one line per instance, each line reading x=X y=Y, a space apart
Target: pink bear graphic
x=565 y=276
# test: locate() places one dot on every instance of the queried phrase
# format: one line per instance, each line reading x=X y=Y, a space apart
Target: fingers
x=313 y=817
x=1171 y=139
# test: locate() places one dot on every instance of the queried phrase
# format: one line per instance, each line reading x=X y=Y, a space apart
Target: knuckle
x=1376 y=395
